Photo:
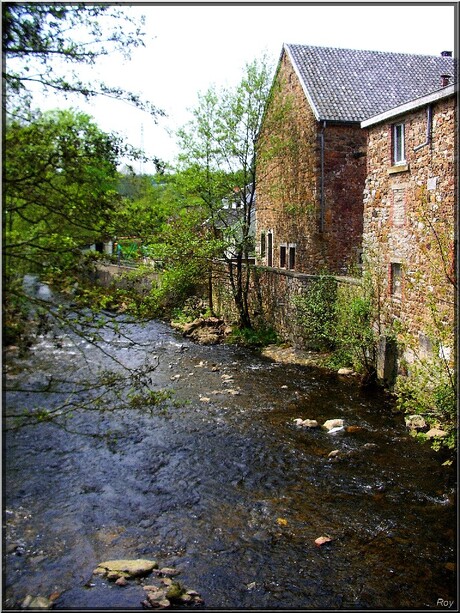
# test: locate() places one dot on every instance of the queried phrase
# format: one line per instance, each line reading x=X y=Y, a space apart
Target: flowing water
x=223 y=486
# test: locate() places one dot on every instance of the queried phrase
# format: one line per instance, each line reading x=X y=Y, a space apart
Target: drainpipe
x=321 y=202
x=429 y=121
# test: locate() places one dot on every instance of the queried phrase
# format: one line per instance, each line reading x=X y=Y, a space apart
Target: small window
x=292 y=257
x=399 y=153
x=263 y=245
x=270 y=249
x=283 y=256
x=396 y=279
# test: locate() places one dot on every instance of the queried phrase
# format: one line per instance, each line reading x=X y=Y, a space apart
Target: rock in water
x=37 y=602
x=114 y=569
x=333 y=423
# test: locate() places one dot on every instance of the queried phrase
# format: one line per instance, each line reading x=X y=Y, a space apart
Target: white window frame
x=399 y=146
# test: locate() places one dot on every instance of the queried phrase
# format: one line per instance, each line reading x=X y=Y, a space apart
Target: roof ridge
x=425 y=55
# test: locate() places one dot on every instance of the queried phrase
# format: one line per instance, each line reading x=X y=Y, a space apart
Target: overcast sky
x=190 y=47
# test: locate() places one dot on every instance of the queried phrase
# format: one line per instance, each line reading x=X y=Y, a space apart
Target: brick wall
x=409 y=223
x=289 y=182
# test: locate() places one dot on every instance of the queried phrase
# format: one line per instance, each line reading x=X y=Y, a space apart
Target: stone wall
x=272 y=299
x=408 y=237
x=125 y=277
x=321 y=218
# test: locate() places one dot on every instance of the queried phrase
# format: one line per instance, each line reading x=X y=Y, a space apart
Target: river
x=221 y=484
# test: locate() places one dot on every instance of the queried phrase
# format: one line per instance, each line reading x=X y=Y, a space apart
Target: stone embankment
x=204 y=330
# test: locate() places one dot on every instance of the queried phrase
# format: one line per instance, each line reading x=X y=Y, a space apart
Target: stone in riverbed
x=333 y=423
x=415 y=422
x=37 y=602
x=306 y=423
x=166 y=572
x=435 y=432
x=114 y=569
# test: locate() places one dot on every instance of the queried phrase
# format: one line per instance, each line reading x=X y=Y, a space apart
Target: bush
x=316 y=313
x=253 y=337
x=430 y=391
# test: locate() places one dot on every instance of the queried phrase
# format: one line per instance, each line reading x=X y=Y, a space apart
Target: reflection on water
x=225 y=487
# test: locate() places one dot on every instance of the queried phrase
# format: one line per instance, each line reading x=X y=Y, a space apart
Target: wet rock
x=333 y=423
x=206 y=330
x=174 y=591
x=322 y=540
x=352 y=429
x=433 y=432
x=345 y=371
x=121 y=581
x=37 y=602
x=415 y=422
x=114 y=569
x=369 y=446
x=170 y=593
x=166 y=572
x=306 y=423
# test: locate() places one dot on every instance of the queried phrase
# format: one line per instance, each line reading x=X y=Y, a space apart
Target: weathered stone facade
x=409 y=221
x=310 y=178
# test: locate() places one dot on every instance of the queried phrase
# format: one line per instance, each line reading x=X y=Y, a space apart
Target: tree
x=148 y=203
x=219 y=158
x=41 y=41
x=60 y=178
x=59 y=192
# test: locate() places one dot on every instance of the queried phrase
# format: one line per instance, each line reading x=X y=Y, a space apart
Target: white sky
x=190 y=47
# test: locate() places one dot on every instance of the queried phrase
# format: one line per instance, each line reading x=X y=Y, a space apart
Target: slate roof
x=352 y=85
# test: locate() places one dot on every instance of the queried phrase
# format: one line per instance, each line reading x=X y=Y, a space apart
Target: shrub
x=316 y=312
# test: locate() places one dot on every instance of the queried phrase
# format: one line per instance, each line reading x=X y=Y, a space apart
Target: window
x=263 y=245
x=396 y=279
x=291 y=257
x=399 y=154
x=282 y=256
x=270 y=249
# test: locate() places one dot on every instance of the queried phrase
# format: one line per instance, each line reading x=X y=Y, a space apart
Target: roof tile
x=353 y=85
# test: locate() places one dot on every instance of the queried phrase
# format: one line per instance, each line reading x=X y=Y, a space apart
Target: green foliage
x=316 y=312
x=218 y=163
x=149 y=202
x=58 y=190
x=253 y=337
x=354 y=336
x=430 y=391
x=337 y=318
x=192 y=309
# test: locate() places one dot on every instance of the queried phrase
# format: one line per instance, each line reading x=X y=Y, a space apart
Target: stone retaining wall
x=106 y=274
x=272 y=299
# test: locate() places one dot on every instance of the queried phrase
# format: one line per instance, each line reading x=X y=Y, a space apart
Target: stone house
x=311 y=164
x=409 y=221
